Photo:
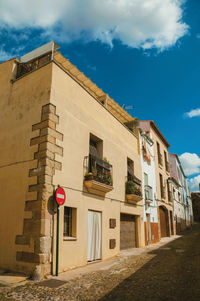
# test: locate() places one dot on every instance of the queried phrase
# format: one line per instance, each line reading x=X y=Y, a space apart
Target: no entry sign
x=60 y=196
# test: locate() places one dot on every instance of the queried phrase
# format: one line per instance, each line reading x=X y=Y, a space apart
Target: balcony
x=24 y=68
x=98 y=177
x=160 y=159
x=133 y=191
x=148 y=194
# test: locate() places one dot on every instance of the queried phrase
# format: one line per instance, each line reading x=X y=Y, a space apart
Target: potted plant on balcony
x=107 y=177
x=94 y=170
x=131 y=188
x=133 y=193
x=89 y=176
x=95 y=180
x=92 y=174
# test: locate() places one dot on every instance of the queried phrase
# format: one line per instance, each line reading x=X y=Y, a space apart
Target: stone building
x=59 y=129
x=162 y=170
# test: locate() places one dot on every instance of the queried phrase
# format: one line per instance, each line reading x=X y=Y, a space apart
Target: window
x=162 y=190
x=99 y=168
x=158 y=148
x=169 y=192
x=130 y=170
x=165 y=155
x=147 y=188
x=96 y=146
x=166 y=162
x=160 y=161
x=69 y=229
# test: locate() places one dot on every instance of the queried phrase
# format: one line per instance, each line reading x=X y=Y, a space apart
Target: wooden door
x=163 y=222
x=127 y=231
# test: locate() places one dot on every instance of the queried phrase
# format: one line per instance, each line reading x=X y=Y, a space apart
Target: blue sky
x=144 y=53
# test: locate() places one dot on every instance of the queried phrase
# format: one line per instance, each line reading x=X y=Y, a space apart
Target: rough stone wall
x=37 y=229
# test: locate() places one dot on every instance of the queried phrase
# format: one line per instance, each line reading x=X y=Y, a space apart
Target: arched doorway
x=164 y=222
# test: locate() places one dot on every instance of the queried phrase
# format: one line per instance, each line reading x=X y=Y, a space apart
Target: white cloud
x=137 y=23
x=191 y=166
x=193 y=113
x=194 y=183
x=4 y=56
x=190 y=163
x=20 y=13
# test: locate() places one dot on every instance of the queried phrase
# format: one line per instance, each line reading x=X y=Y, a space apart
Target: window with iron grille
x=69 y=228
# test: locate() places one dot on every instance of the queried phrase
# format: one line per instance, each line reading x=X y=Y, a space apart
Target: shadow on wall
x=173 y=274
x=180 y=225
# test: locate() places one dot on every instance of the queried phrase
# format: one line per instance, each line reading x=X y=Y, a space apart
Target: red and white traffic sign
x=60 y=196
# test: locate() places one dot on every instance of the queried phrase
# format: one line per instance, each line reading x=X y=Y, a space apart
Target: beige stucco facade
x=47 y=119
x=81 y=113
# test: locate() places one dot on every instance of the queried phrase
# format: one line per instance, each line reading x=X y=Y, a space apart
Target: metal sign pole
x=57 y=240
x=60 y=199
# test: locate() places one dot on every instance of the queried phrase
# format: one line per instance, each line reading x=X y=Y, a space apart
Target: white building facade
x=149 y=188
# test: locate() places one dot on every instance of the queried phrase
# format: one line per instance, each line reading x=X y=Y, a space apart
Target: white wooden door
x=94 y=235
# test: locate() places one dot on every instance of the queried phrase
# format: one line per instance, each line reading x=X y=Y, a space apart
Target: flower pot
x=90 y=177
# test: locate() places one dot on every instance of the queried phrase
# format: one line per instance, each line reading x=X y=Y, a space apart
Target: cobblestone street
x=171 y=272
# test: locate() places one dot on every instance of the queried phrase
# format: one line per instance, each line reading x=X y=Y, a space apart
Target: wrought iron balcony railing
x=98 y=170
x=133 y=188
x=24 y=68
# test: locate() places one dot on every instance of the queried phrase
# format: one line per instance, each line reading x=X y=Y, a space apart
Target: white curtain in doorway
x=94 y=235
